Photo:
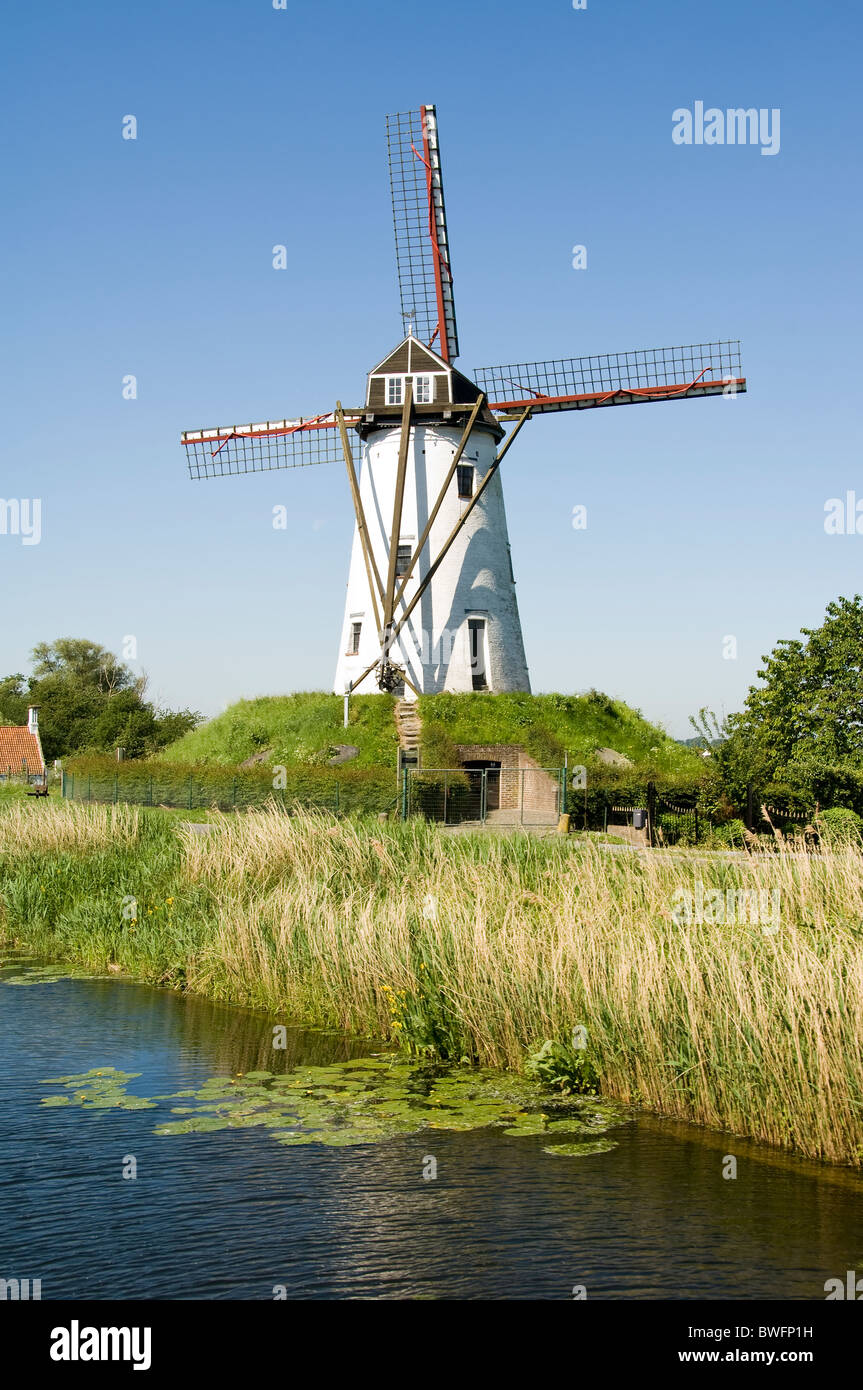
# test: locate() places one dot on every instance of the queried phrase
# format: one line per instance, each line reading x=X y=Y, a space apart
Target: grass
x=479 y=946
x=11 y=792
x=293 y=729
x=549 y=726
x=18 y=793
x=302 y=729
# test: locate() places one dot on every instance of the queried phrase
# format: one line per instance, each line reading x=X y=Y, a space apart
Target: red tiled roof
x=16 y=745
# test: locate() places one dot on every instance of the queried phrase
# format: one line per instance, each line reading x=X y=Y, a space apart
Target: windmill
x=431 y=601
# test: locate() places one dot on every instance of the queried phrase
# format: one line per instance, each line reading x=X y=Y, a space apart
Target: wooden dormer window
x=431 y=378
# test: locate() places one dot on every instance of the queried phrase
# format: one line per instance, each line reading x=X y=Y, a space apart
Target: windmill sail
x=617 y=378
x=419 y=221
x=214 y=453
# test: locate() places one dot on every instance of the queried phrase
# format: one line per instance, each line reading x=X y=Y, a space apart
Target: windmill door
x=484 y=778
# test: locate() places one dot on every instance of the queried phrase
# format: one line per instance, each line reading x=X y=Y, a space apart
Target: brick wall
x=539 y=789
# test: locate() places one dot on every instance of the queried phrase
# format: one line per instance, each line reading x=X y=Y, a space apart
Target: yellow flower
x=169 y=900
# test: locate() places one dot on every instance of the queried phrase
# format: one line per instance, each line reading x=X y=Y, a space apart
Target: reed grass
x=60 y=826
x=499 y=942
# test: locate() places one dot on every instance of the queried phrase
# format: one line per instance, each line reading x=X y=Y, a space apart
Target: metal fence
x=656 y=820
x=188 y=793
x=480 y=794
x=680 y=823
x=678 y=819
x=520 y=796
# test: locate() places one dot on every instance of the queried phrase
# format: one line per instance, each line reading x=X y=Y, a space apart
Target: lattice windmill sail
x=431 y=599
x=419 y=222
x=262 y=447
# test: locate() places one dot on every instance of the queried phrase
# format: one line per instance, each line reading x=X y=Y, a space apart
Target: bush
x=567 y=1068
x=425 y=1023
x=839 y=826
x=429 y=792
x=732 y=833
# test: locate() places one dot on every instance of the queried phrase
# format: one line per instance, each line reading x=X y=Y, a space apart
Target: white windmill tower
x=431 y=599
x=421 y=471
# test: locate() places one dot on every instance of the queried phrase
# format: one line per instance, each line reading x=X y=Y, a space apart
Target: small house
x=21 y=757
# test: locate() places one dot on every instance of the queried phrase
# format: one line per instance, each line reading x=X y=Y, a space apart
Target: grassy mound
x=304 y=729
x=293 y=730
x=548 y=726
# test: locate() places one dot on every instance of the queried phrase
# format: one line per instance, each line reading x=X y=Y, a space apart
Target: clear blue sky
x=259 y=126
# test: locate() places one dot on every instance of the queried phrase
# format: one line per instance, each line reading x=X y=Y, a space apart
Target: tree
x=804 y=724
x=75 y=658
x=13 y=699
x=710 y=731
x=89 y=702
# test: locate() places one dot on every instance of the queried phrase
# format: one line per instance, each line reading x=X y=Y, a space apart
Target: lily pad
x=358 y=1102
x=101 y=1088
x=590 y=1146
x=46 y=974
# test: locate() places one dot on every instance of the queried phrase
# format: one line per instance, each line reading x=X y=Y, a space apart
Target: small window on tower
x=464 y=474
x=476 y=638
x=423 y=390
x=394 y=390
x=356 y=629
x=403 y=559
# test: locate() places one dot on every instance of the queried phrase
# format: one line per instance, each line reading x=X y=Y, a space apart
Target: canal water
x=232 y=1214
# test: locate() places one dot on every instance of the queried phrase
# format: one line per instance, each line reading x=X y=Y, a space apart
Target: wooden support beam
x=362 y=528
x=458 y=527
x=462 y=444
x=367 y=672
x=525 y=416
x=398 y=506
x=384 y=628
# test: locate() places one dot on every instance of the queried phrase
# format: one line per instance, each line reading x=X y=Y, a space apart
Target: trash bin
x=639 y=820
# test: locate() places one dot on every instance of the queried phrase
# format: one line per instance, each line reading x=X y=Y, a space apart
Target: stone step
x=408 y=726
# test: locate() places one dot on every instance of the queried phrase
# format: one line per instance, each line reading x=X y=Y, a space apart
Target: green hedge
x=153 y=783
